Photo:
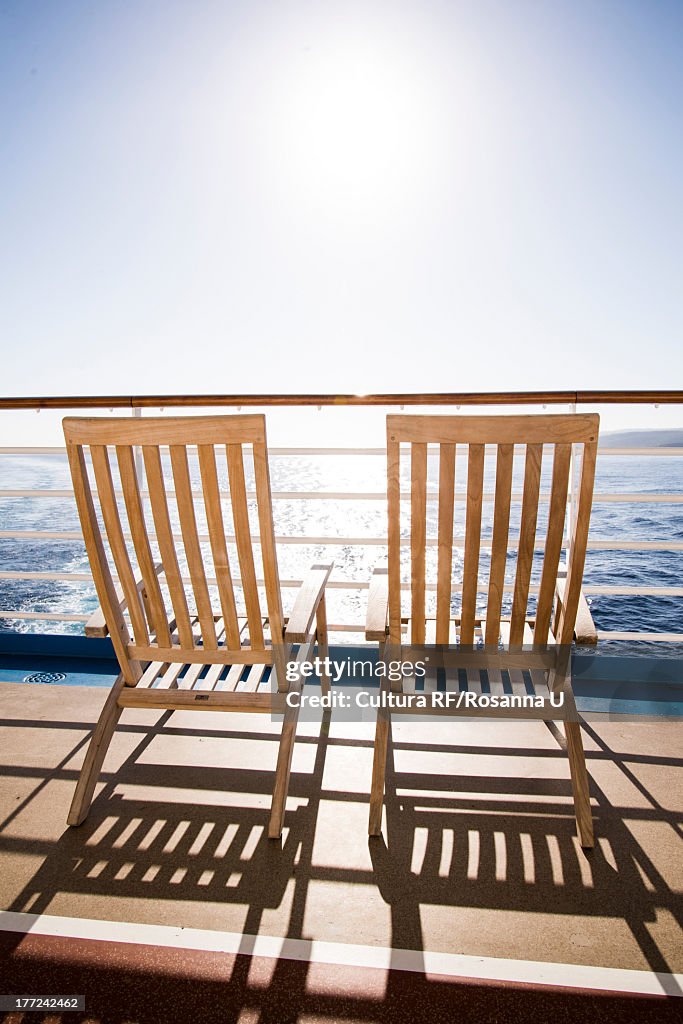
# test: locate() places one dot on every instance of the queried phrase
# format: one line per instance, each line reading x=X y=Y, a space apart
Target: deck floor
x=479 y=855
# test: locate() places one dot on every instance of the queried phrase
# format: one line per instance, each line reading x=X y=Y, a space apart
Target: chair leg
x=282 y=772
x=99 y=744
x=379 y=766
x=580 y=787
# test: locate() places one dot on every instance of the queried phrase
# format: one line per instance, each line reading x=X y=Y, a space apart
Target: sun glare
x=355 y=123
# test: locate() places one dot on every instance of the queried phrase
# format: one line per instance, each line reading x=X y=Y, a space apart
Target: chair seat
x=529 y=680
x=173 y=685
x=205 y=677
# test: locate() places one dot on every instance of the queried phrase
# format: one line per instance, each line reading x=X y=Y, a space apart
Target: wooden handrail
x=468 y=398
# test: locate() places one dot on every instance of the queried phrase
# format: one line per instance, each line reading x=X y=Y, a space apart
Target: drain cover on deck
x=45 y=677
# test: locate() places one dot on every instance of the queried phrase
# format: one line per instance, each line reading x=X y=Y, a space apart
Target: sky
x=341 y=197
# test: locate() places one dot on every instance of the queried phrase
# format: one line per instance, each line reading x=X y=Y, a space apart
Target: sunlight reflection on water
x=360 y=518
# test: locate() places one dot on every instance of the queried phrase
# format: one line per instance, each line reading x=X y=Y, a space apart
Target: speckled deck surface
x=478 y=856
x=132 y=983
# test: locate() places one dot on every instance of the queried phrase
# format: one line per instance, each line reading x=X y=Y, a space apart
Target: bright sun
x=354 y=124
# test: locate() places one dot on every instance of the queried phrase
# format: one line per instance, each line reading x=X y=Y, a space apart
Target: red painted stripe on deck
x=151 y=984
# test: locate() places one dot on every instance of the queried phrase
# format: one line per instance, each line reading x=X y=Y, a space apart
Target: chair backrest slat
x=179 y=608
x=527 y=541
x=219 y=548
x=104 y=584
x=269 y=557
x=445 y=542
x=418 y=540
x=167 y=550
x=499 y=542
x=193 y=554
x=470 y=572
x=508 y=436
x=394 y=535
x=553 y=544
x=117 y=544
x=158 y=617
x=578 y=544
x=245 y=551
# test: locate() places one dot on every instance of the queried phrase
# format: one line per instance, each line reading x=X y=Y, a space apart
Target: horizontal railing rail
x=305 y=540
x=631 y=498
x=339 y=627
x=355 y=584
x=431 y=450
x=637 y=397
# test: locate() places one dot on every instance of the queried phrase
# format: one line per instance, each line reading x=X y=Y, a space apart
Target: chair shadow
x=149 y=849
x=461 y=844
x=502 y=852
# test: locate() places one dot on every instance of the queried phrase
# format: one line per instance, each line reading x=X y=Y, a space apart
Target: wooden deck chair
x=178 y=646
x=534 y=440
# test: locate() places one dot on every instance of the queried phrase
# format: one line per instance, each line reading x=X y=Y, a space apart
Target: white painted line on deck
x=451 y=965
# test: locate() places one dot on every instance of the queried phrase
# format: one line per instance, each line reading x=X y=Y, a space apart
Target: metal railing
x=445 y=398
x=138 y=403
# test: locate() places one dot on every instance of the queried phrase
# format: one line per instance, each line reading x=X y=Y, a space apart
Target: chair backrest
x=505 y=435
x=150 y=464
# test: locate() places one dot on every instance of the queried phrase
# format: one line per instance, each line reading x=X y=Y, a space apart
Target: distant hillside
x=642 y=439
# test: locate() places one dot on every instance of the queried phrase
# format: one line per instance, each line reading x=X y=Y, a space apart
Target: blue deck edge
x=650 y=685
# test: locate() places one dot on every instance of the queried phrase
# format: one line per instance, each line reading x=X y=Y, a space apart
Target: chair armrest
x=378 y=606
x=96 y=625
x=584 y=627
x=310 y=594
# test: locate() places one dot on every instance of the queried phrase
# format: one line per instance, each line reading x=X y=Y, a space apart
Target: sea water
x=359 y=518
